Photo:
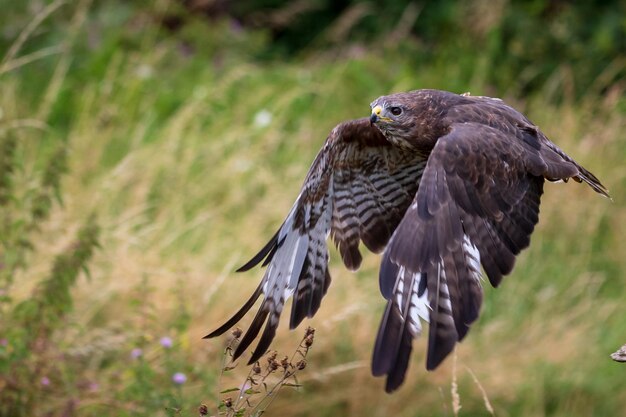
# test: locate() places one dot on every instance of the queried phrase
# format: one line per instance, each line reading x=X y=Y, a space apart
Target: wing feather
x=357 y=190
x=478 y=203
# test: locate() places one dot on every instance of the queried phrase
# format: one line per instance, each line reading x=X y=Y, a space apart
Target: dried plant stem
x=6 y=64
x=62 y=67
x=256 y=377
x=27 y=59
x=24 y=123
x=270 y=393
x=454 y=389
x=488 y=405
x=242 y=391
x=289 y=371
x=227 y=352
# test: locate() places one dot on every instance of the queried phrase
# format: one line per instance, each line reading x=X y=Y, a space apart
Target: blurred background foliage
x=152 y=146
x=518 y=46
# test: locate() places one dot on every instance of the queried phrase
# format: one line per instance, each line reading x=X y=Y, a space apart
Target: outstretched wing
x=357 y=189
x=478 y=203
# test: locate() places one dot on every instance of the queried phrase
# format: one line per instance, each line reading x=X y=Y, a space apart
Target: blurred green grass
x=192 y=160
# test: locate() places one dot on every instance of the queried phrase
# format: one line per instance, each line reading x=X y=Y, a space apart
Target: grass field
x=191 y=161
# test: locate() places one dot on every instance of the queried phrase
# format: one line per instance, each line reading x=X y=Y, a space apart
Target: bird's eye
x=396 y=111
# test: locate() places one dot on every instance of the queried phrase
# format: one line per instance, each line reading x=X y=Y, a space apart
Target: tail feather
x=396 y=375
x=442 y=330
x=400 y=324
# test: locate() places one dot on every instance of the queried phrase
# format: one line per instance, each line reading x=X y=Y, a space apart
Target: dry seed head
x=228 y=402
x=272 y=366
x=301 y=365
x=256 y=368
x=271 y=357
x=285 y=363
x=203 y=410
x=237 y=332
x=308 y=341
x=309 y=331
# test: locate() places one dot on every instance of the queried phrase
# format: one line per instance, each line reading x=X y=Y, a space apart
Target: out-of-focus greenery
x=159 y=144
x=518 y=45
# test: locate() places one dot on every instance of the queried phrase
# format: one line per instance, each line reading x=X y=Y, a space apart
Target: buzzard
x=444 y=184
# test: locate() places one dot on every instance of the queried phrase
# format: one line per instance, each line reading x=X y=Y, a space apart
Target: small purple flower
x=94 y=387
x=136 y=353
x=166 y=342
x=45 y=381
x=179 y=378
x=4 y=342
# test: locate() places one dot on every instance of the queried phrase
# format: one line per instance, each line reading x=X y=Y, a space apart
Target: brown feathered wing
x=477 y=203
x=357 y=189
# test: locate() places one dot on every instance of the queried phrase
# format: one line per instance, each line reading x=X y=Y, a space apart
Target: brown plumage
x=445 y=184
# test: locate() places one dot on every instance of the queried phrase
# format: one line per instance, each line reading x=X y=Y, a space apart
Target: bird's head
x=414 y=119
x=392 y=115
x=384 y=112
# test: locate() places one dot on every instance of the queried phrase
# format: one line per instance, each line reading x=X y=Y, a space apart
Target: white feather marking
x=472 y=255
x=282 y=264
x=288 y=225
x=442 y=288
x=290 y=257
x=418 y=307
x=297 y=261
x=422 y=308
x=400 y=286
x=268 y=271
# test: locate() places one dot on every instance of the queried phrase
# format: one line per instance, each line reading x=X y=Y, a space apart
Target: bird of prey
x=444 y=184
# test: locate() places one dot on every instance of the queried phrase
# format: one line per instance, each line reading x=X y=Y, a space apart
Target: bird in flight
x=443 y=184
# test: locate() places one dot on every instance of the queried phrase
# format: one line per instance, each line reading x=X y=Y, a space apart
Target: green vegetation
x=160 y=159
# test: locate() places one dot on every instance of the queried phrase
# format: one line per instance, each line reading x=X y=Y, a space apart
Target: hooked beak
x=375 y=114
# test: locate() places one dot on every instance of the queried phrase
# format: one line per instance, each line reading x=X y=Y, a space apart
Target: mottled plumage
x=445 y=184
